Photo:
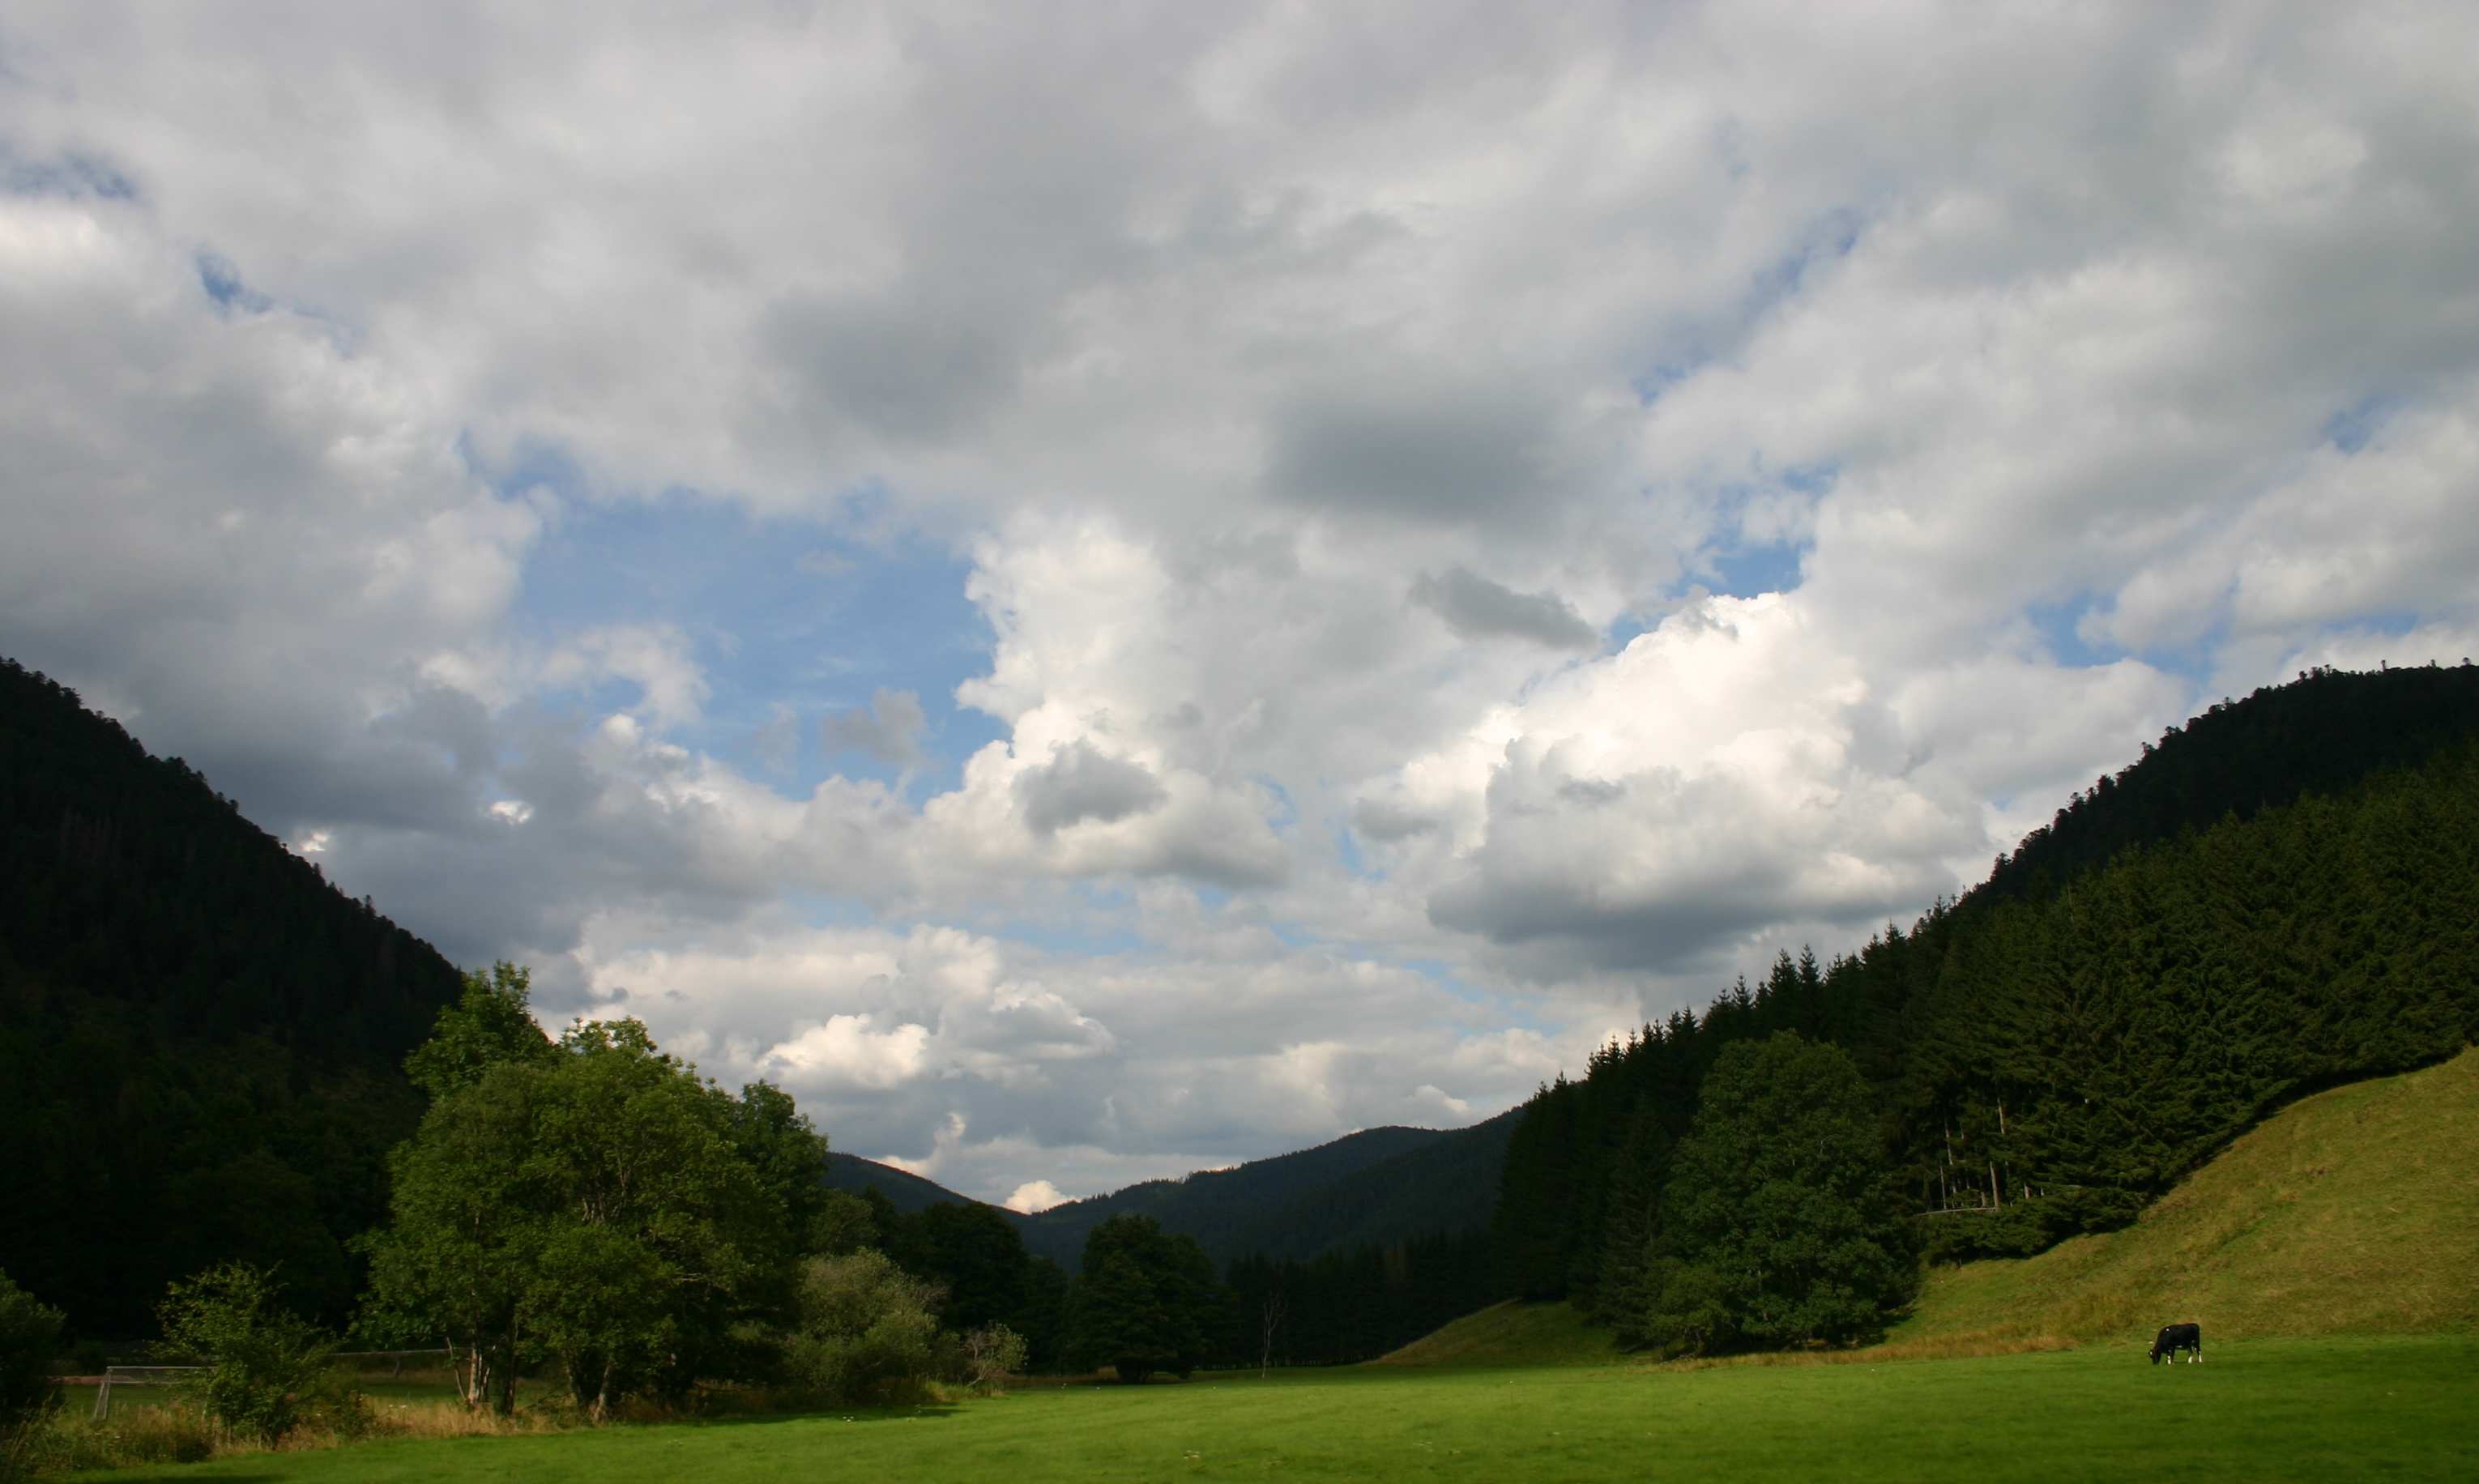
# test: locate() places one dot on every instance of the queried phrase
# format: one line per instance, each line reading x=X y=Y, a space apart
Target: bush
x=865 y=1331
x=1688 y=1311
x=991 y=1355
x=29 y=1331
x=269 y=1371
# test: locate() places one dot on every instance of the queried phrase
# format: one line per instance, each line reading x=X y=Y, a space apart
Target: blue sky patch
x=785 y=620
x=2350 y=428
x=73 y=175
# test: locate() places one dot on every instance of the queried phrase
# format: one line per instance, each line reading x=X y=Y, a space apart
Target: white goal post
x=174 y=1375
x=137 y=1375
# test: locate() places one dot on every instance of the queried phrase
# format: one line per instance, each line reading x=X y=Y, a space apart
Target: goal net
x=139 y=1375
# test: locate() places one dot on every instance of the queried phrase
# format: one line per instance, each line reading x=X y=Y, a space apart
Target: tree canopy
x=592 y=1203
x=1144 y=1300
x=1779 y=1221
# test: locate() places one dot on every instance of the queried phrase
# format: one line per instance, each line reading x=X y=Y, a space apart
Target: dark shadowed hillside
x=2316 y=736
x=1377 y=1186
x=200 y=1038
x=905 y=1191
x=1448 y=1183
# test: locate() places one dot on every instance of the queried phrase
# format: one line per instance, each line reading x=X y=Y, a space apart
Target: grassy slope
x=1511 y=1334
x=2353 y=1211
x=2265 y=1410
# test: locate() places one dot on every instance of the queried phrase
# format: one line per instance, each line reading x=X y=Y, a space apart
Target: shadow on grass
x=936 y=1411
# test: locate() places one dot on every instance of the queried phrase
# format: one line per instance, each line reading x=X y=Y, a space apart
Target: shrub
x=865 y=1332
x=1688 y=1312
x=269 y=1371
x=991 y=1355
x=30 y=1330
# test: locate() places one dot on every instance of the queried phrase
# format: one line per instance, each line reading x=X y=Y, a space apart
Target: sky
x=1100 y=591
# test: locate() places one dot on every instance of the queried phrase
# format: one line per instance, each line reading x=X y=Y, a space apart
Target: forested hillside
x=904 y=1192
x=200 y=1039
x=1373 y=1188
x=2147 y=978
x=1331 y=1254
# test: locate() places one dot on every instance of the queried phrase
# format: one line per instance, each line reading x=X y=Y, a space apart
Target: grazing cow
x=2173 y=1338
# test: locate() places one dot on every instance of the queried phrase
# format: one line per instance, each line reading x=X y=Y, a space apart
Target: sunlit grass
x=2353 y=1211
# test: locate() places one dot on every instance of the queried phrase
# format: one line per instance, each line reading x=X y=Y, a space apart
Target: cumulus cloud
x=889 y=730
x=1477 y=608
x=1032 y=1195
x=1080 y=783
x=984 y=1064
x=1928 y=406
x=848 y=1051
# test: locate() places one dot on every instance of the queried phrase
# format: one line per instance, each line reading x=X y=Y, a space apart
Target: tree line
x=590 y=1208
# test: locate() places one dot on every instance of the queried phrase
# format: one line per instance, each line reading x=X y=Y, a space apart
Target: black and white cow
x=2173 y=1338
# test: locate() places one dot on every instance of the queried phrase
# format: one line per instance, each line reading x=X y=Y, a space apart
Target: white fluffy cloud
x=1483 y=526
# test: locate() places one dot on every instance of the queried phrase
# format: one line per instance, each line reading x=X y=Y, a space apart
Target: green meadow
x=2267 y=1410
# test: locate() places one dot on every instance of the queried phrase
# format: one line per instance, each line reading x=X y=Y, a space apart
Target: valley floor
x=2261 y=1410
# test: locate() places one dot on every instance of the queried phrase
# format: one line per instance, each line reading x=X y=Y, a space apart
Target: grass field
x=2270 y=1410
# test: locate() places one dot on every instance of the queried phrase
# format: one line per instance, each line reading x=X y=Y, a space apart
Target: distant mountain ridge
x=905 y=1191
x=1377 y=1187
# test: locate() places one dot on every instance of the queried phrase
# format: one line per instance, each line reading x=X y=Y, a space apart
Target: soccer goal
x=137 y=1375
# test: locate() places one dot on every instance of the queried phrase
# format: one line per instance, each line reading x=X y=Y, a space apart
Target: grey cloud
x=1476 y=608
x=1452 y=451
x=1381 y=819
x=1206 y=856
x=1081 y=783
x=906 y=371
x=889 y=728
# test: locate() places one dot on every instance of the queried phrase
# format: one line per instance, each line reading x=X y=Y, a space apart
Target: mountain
x=1375 y=1187
x=2319 y=734
x=1447 y=1184
x=905 y=1191
x=200 y=1038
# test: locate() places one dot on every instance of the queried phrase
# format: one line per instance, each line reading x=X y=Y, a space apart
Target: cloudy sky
x=1102 y=590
